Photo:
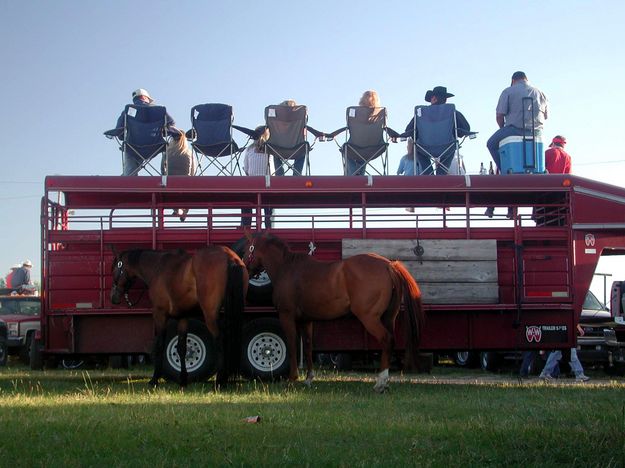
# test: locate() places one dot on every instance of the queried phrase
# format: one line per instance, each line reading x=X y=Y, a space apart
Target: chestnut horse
x=367 y=285
x=178 y=285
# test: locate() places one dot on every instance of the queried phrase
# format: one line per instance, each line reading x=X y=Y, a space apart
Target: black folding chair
x=212 y=139
x=143 y=135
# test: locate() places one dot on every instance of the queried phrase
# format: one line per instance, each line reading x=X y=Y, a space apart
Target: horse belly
x=318 y=305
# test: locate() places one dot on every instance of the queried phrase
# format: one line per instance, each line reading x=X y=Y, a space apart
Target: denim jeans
x=281 y=168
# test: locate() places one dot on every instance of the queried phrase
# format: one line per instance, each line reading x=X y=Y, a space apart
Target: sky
x=69 y=67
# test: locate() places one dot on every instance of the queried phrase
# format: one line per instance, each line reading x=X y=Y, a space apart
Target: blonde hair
x=289 y=102
x=369 y=98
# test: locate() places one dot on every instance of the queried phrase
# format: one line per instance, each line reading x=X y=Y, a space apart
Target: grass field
x=111 y=418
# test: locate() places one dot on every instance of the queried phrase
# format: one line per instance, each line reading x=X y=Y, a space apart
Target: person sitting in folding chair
x=436 y=131
x=138 y=149
x=287 y=142
x=367 y=137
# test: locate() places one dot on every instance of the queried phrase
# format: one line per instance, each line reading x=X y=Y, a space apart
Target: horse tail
x=234 y=300
x=414 y=315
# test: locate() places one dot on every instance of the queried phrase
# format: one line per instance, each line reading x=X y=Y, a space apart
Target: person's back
x=557 y=161
x=511 y=105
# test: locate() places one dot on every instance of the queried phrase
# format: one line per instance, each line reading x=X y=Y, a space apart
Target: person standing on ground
x=510 y=113
x=257 y=163
x=556 y=356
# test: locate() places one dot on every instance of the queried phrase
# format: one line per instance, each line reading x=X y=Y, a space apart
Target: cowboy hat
x=438 y=91
x=27 y=263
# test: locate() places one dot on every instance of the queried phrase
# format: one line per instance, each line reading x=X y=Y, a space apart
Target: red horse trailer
x=511 y=282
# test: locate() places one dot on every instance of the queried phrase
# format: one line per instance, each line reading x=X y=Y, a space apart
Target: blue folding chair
x=435 y=138
x=212 y=140
x=142 y=136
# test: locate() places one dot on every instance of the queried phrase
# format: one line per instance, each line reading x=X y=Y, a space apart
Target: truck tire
x=467 y=359
x=36 y=354
x=260 y=289
x=264 y=354
x=201 y=359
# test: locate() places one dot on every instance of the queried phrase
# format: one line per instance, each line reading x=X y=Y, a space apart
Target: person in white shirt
x=257 y=163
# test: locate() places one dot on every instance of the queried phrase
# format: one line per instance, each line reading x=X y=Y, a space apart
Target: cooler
x=513 y=161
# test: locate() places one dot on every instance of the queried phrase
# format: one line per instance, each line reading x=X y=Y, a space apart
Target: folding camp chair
x=211 y=138
x=287 y=141
x=435 y=138
x=366 y=140
x=143 y=135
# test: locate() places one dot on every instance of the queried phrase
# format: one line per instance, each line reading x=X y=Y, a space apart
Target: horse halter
x=119 y=272
x=250 y=255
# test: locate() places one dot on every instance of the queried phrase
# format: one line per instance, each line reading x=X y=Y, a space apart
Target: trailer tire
x=490 y=361
x=264 y=355
x=201 y=359
x=260 y=289
x=467 y=359
x=36 y=354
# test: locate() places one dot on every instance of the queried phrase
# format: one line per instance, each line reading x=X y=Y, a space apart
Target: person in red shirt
x=557 y=161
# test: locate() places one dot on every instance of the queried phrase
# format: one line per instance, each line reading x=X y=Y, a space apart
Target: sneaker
x=582 y=378
x=546 y=377
x=490 y=211
x=410 y=210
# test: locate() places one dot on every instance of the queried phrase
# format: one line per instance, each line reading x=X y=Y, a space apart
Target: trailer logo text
x=546 y=333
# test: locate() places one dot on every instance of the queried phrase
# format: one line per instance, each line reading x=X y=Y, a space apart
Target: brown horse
x=368 y=285
x=178 y=285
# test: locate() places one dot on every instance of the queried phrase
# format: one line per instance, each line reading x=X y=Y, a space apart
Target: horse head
x=123 y=277
x=252 y=257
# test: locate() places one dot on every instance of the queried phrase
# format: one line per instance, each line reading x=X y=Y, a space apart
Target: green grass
x=104 y=418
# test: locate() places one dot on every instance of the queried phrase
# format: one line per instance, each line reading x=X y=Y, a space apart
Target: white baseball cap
x=27 y=263
x=142 y=92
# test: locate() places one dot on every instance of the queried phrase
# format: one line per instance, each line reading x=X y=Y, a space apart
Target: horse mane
x=283 y=247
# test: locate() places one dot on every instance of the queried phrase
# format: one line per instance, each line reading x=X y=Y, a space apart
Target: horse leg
x=183 y=326
x=306 y=331
x=382 y=334
x=288 y=326
x=160 y=322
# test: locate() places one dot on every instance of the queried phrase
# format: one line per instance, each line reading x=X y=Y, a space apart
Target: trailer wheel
x=260 y=289
x=264 y=353
x=72 y=363
x=490 y=361
x=201 y=358
x=468 y=359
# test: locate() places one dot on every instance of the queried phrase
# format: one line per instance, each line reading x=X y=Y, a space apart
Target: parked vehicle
x=22 y=315
x=488 y=284
x=598 y=346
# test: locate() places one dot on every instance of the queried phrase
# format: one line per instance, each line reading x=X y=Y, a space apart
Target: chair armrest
x=317 y=133
x=248 y=131
x=335 y=133
x=392 y=133
x=115 y=132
